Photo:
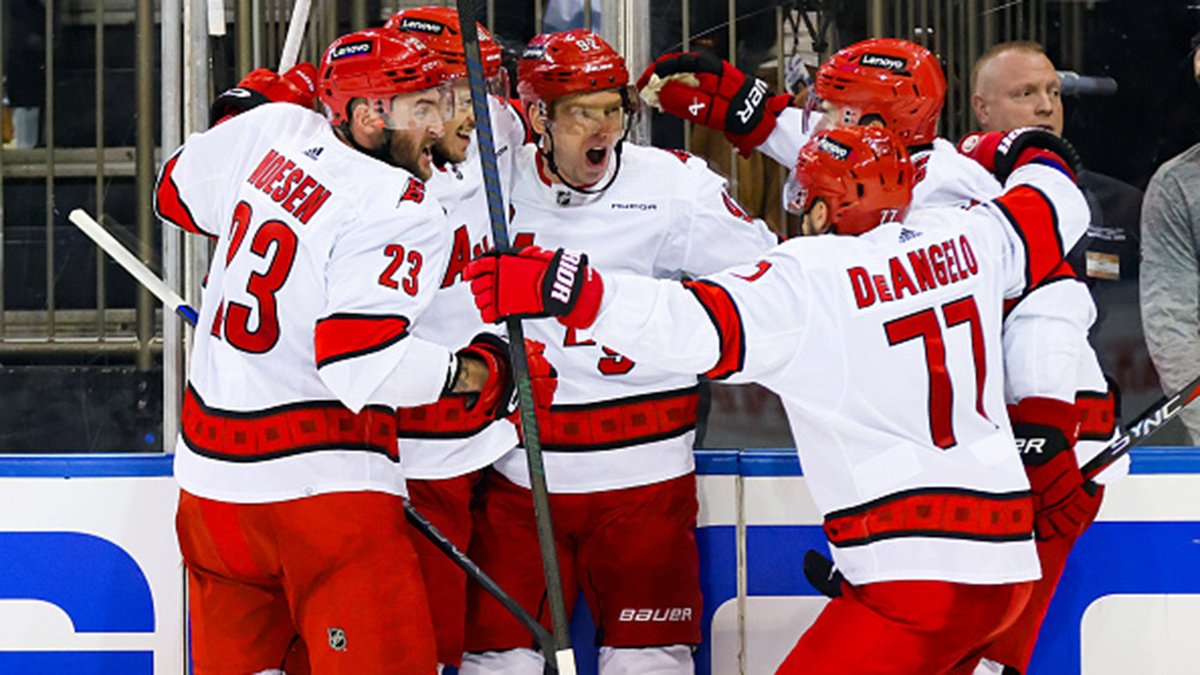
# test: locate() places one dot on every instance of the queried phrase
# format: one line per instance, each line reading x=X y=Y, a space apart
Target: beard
x=407 y=151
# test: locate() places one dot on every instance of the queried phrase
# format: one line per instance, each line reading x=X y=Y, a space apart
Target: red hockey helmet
x=572 y=62
x=863 y=174
x=900 y=81
x=375 y=65
x=439 y=29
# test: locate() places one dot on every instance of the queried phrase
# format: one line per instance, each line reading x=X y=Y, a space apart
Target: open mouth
x=596 y=156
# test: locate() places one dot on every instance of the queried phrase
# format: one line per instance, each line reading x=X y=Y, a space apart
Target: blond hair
x=995 y=50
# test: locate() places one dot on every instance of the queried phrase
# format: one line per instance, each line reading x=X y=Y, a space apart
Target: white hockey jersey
x=617 y=422
x=432 y=445
x=324 y=261
x=885 y=350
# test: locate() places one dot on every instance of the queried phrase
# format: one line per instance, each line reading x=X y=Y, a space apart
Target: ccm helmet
x=899 y=81
x=376 y=65
x=863 y=174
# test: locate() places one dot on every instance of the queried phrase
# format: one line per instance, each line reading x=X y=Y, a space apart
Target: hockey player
x=327 y=251
x=1053 y=377
x=618 y=440
x=445 y=446
x=885 y=348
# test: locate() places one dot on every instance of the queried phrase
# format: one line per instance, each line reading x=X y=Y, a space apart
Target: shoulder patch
x=681 y=155
x=413 y=192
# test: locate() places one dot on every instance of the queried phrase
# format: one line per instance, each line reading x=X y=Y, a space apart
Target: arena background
x=95 y=92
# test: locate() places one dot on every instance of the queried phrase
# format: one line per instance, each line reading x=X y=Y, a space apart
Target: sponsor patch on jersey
x=656 y=614
x=314 y=153
x=422 y=26
x=413 y=192
x=908 y=235
x=351 y=49
x=635 y=206
x=892 y=63
x=833 y=149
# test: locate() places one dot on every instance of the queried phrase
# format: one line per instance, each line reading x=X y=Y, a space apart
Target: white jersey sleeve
x=1043 y=214
x=380 y=277
x=789 y=135
x=945 y=177
x=715 y=233
x=1045 y=335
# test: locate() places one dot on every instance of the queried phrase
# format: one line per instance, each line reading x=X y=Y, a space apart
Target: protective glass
x=794 y=195
x=820 y=114
x=497 y=85
x=591 y=119
x=426 y=109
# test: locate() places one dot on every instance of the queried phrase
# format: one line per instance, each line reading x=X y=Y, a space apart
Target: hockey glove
x=495 y=400
x=543 y=380
x=1046 y=430
x=702 y=88
x=534 y=283
x=1002 y=152
x=297 y=85
x=822 y=574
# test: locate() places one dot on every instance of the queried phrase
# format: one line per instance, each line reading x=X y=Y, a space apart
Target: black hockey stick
x=1141 y=428
x=561 y=659
x=173 y=301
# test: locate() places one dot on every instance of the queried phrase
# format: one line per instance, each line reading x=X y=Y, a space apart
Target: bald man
x=1014 y=84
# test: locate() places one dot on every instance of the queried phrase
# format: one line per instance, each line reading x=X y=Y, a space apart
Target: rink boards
x=90 y=577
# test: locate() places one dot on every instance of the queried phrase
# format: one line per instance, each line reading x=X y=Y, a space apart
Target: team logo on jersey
x=422 y=26
x=833 y=148
x=681 y=155
x=351 y=49
x=413 y=192
x=314 y=153
x=892 y=63
x=337 y=638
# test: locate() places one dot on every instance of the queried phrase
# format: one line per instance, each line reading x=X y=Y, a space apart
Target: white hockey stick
x=295 y=34
x=96 y=232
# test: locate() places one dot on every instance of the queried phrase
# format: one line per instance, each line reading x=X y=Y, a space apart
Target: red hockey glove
x=1046 y=430
x=534 y=282
x=495 y=400
x=1001 y=152
x=297 y=85
x=543 y=380
x=722 y=97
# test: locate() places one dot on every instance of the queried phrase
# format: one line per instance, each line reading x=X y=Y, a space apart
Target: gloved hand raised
x=701 y=88
x=533 y=282
x=298 y=85
x=1002 y=152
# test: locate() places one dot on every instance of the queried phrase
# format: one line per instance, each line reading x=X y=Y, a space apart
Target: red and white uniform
x=617 y=423
x=438 y=448
x=310 y=239
x=885 y=349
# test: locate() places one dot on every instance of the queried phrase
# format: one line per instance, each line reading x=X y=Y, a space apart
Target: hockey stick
x=173 y=301
x=1141 y=428
x=295 y=34
x=563 y=660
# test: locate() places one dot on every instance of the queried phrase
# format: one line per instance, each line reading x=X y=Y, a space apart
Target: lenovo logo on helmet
x=422 y=26
x=833 y=148
x=892 y=63
x=534 y=52
x=351 y=49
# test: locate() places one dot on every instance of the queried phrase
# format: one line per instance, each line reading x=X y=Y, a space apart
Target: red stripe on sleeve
x=169 y=204
x=728 y=322
x=344 y=336
x=1034 y=219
